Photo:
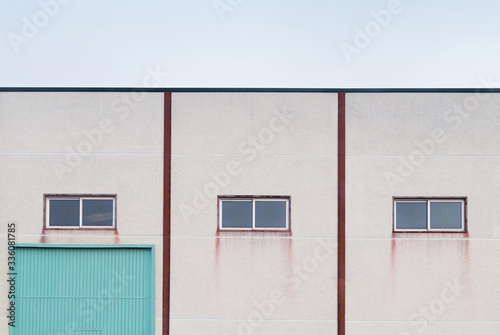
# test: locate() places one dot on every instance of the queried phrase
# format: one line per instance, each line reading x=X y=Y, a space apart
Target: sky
x=250 y=43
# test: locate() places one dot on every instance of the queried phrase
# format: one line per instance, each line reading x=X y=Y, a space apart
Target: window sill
x=253 y=233
x=82 y=231
x=430 y=234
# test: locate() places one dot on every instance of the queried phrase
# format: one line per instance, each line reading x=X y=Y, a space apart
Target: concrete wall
x=397 y=145
x=422 y=144
x=39 y=133
x=252 y=282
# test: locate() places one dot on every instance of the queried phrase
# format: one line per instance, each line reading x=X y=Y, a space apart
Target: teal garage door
x=84 y=290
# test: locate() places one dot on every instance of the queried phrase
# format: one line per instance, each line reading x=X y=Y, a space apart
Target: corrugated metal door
x=84 y=290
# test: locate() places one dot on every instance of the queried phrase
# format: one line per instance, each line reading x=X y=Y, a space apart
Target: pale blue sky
x=254 y=43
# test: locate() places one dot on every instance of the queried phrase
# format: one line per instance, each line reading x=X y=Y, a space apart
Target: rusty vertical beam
x=341 y=216
x=167 y=141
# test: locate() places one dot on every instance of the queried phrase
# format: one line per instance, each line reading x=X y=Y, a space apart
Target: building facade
x=225 y=212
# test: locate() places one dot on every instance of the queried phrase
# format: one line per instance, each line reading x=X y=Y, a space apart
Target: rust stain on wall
x=46 y=234
x=251 y=246
x=42 y=238
x=426 y=251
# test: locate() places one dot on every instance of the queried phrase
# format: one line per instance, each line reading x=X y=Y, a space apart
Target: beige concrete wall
x=422 y=144
x=419 y=144
x=250 y=282
x=40 y=136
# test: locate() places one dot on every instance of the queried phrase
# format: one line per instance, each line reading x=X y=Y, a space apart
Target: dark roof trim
x=269 y=90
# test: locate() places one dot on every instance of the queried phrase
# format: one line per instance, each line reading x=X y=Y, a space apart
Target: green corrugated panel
x=84 y=291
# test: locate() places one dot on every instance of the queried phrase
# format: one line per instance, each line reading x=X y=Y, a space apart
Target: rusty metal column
x=341 y=216
x=167 y=142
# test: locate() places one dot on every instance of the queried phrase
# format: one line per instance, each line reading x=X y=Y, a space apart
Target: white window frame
x=428 y=201
x=80 y=215
x=254 y=200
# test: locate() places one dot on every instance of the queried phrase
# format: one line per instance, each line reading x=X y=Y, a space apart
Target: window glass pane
x=411 y=215
x=98 y=212
x=446 y=215
x=64 y=213
x=270 y=214
x=237 y=214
